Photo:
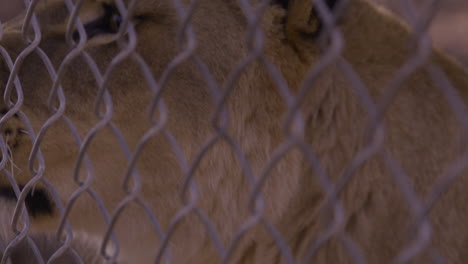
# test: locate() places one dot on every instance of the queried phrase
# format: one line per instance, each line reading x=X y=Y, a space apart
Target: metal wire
x=333 y=188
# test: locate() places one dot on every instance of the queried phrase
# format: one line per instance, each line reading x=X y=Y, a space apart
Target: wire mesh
x=224 y=153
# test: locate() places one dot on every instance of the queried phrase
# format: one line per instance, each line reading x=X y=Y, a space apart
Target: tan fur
x=22 y=252
x=422 y=134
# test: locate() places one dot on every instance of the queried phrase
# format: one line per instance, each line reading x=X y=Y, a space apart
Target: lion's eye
x=108 y=23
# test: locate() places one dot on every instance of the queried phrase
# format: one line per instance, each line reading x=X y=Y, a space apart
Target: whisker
x=10 y=158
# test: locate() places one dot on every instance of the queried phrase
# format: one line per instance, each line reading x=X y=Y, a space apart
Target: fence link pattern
x=158 y=114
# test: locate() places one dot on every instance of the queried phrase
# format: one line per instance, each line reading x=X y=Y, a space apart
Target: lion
x=224 y=138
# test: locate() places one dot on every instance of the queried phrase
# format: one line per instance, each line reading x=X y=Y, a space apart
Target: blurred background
x=449 y=28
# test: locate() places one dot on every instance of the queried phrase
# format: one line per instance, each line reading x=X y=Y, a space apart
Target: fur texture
x=422 y=134
x=22 y=253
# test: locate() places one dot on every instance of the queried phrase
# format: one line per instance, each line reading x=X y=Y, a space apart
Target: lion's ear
x=302 y=18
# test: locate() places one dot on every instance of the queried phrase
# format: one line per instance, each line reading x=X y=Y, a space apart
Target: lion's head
x=168 y=122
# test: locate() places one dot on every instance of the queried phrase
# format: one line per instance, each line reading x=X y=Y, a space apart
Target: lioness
x=193 y=148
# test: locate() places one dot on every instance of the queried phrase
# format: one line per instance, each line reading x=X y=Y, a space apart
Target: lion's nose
x=12 y=129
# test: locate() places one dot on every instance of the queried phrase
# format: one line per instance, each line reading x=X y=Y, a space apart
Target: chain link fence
x=230 y=132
